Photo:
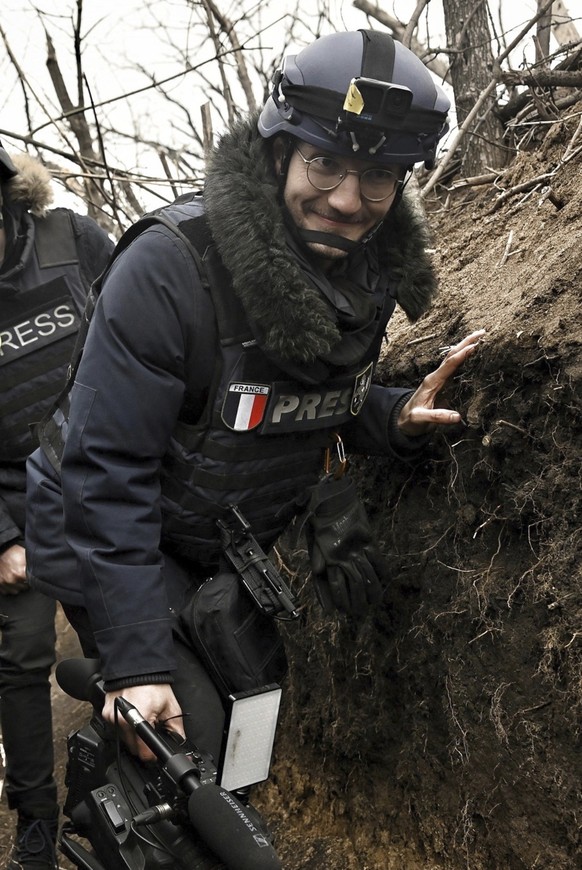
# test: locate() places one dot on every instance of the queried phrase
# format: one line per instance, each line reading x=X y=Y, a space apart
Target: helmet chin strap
x=328 y=239
x=333 y=241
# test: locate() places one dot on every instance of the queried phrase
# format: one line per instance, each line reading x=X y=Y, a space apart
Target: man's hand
x=420 y=415
x=156 y=703
x=13 y=571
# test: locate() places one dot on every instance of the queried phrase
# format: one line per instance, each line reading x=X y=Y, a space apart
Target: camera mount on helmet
x=371 y=107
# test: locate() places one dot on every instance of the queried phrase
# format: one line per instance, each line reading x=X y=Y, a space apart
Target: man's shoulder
x=186 y=208
x=64 y=237
x=185 y=218
x=61 y=213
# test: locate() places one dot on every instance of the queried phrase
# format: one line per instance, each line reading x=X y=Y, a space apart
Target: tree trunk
x=469 y=44
x=543 y=31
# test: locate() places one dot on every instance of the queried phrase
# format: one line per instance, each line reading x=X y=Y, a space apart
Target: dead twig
x=532 y=183
x=569 y=152
x=475 y=180
x=421 y=339
x=513 y=426
x=503 y=259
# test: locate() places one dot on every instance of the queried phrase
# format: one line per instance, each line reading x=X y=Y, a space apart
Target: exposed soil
x=444 y=730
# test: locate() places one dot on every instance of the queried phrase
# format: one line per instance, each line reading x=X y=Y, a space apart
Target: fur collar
x=291 y=317
x=31 y=188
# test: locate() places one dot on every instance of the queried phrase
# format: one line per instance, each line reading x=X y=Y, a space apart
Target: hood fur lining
x=32 y=186
x=290 y=316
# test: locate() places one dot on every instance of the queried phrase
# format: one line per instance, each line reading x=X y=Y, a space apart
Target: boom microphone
x=143 y=729
x=226 y=827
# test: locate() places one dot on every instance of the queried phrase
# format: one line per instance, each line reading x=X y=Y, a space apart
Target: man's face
x=342 y=211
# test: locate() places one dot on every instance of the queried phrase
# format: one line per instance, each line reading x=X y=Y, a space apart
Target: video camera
x=171 y=813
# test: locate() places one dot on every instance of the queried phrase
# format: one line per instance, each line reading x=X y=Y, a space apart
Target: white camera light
x=247 y=749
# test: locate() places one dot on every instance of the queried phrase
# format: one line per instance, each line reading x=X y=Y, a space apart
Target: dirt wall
x=444 y=730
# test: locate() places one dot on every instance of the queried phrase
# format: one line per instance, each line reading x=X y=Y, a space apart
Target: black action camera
x=384 y=105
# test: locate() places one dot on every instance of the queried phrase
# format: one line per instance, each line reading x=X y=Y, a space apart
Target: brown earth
x=444 y=730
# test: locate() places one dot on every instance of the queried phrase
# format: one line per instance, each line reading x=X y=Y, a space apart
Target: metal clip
x=342 y=466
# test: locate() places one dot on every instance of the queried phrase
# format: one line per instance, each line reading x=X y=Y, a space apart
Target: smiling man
x=222 y=363
x=347 y=198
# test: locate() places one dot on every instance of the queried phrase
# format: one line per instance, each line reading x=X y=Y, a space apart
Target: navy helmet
x=359 y=93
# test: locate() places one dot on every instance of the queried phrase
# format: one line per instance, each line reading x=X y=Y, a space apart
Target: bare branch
x=227 y=96
x=19 y=72
x=413 y=23
x=228 y=28
x=545 y=78
x=543 y=30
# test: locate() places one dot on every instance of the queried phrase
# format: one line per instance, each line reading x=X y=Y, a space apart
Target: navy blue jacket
x=151 y=341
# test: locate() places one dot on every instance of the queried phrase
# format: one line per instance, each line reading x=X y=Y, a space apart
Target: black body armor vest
x=38 y=323
x=259 y=441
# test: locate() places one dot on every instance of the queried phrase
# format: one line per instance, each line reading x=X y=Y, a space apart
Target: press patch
x=35 y=319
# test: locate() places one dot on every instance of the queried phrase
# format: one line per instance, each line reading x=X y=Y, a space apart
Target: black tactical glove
x=348 y=568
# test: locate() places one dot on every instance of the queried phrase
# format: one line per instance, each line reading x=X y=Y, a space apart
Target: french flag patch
x=244 y=406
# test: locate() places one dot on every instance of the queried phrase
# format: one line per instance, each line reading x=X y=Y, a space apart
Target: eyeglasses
x=327 y=173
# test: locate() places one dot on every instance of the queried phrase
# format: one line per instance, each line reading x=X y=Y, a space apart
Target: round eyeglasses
x=327 y=173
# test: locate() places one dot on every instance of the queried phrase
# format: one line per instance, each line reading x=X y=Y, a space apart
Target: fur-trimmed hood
x=24 y=199
x=31 y=188
x=246 y=219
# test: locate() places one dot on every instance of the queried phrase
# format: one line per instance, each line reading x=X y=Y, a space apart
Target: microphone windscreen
x=81 y=679
x=228 y=830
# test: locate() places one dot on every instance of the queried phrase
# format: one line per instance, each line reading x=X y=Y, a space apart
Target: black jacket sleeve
x=375 y=430
x=128 y=393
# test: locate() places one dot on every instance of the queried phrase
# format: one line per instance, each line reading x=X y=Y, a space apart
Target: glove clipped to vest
x=347 y=566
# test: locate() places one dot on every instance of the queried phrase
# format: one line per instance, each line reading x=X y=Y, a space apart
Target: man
x=47 y=262
x=221 y=375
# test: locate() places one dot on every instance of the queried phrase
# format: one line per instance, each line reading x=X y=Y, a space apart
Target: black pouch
x=240 y=645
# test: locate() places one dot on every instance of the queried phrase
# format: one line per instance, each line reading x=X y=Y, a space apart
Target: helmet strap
x=288 y=148
x=329 y=239
x=401 y=186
